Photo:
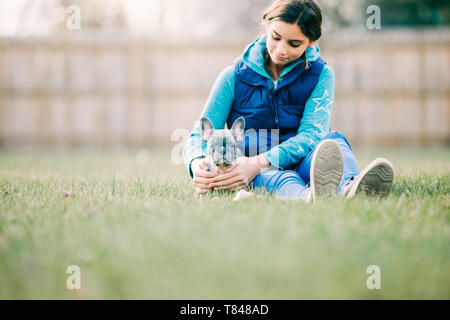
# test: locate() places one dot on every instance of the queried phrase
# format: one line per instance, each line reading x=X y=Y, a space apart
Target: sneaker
x=375 y=179
x=327 y=165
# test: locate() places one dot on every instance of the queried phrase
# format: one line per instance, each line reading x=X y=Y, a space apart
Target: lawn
x=130 y=221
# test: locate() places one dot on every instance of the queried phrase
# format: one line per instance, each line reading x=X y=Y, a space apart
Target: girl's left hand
x=241 y=172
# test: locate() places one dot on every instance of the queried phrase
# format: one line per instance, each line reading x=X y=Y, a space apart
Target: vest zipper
x=274 y=107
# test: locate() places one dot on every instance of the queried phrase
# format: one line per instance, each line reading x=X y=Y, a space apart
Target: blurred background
x=127 y=73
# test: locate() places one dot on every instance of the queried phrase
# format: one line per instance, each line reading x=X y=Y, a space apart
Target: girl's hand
x=241 y=172
x=202 y=177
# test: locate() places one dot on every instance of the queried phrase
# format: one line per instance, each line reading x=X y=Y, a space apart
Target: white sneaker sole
x=375 y=179
x=327 y=165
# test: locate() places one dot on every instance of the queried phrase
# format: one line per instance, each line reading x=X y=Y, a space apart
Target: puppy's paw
x=243 y=195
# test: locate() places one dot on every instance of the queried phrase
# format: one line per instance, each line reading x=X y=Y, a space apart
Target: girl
x=284 y=90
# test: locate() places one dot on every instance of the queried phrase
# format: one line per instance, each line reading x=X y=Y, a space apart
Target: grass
x=131 y=222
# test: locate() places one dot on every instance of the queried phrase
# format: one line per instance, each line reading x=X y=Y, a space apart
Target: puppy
x=222 y=145
x=222 y=148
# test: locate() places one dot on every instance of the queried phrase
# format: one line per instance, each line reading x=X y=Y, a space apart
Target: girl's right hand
x=202 y=177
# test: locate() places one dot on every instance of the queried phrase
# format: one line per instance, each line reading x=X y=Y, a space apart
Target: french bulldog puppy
x=222 y=145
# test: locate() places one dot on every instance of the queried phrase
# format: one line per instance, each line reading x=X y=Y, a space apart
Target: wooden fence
x=90 y=90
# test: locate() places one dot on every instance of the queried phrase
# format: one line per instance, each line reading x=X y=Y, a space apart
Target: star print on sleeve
x=320 y=127
x=323 y=103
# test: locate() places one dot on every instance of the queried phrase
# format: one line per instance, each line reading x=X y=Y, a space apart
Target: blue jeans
x=293 y=184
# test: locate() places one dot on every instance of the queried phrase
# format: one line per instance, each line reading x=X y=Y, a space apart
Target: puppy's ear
x=237 y=129
x=206 y=128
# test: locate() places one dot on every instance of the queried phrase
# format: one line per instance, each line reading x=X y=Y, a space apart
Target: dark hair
x=305 y=13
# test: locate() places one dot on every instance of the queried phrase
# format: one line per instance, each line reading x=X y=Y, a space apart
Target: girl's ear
x=312 y=43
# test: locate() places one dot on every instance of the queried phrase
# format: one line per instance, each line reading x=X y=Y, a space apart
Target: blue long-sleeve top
x=314 y=124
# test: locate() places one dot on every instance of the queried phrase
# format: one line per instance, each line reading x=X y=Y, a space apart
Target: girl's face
x=285 y=42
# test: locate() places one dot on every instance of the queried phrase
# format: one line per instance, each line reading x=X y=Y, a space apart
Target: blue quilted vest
x=265 y=108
